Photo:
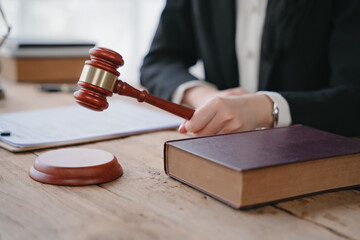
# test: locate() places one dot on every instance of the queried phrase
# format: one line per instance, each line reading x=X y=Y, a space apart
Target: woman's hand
x=224 y=114
x=197 y=96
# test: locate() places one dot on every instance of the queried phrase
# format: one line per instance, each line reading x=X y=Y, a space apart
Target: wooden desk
x=144 y=203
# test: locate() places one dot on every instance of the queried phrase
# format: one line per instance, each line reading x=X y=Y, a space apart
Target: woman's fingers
x=231 y=114
x=212 y=127
x=228 y=117
x=211 y=118
x=182 y=128
x=201 y=118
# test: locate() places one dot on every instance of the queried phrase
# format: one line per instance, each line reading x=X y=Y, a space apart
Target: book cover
x=255 y=167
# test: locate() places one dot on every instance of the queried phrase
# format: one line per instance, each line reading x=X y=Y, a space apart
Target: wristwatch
x=275 y=114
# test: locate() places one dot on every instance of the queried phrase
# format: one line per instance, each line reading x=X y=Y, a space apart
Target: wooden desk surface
x=145 y=203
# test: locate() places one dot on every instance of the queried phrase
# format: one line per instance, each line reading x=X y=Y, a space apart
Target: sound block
x=75 y=167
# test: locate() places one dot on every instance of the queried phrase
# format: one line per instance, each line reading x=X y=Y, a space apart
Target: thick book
x=252 y=168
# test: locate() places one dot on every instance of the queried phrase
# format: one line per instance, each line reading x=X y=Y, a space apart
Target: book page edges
x=214 y=179
x=302 y=178
x=263 y=185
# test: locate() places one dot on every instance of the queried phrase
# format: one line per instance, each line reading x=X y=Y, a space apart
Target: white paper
x=76 y=123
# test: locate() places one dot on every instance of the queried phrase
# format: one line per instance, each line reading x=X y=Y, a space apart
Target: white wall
x=126 y=26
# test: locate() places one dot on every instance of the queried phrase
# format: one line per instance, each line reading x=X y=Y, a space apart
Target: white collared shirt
x=250 y=16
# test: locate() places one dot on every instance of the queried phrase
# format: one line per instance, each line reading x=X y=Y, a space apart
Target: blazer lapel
x=223 y=21
x=268 y=54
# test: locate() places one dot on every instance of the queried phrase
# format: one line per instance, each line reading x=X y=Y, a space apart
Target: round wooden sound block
x=75 y=166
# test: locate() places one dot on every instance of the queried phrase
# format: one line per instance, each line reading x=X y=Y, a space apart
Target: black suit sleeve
x=172 y=51
x=336 y=108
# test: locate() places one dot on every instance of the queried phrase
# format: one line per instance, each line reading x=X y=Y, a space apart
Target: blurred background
x=126 y=26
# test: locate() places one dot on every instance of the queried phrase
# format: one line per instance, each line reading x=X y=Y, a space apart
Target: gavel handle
x=125 y=89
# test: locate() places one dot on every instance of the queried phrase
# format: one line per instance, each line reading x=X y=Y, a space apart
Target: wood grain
x=339 y=211
x=34 y=210
x=145 y=203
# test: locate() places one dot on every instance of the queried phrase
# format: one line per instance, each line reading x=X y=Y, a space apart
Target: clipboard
x=54 y=127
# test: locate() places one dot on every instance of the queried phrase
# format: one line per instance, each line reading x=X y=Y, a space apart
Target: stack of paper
x=75 y=124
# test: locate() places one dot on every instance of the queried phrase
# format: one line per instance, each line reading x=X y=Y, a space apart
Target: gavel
x=99 y=79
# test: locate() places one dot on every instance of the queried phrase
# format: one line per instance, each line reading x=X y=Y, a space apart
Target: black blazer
x=310 y=54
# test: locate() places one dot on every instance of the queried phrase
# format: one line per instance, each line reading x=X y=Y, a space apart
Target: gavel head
x=98 y=78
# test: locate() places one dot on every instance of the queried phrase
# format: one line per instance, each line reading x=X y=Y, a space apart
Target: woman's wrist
x=198 y=95
x=265 y=107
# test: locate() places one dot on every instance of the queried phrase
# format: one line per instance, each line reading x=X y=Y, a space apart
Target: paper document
x=76 y=124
